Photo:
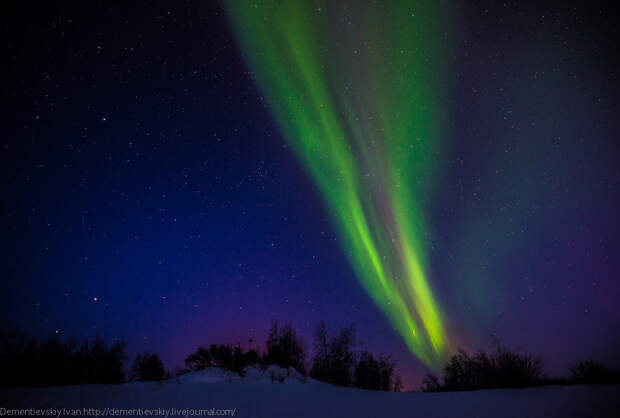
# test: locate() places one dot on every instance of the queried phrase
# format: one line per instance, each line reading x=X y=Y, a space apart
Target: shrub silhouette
x=515 y=370
x=431 y=383
x=375 y=374
x=398 y=384
x=223 y=356
x=498 y=369
x=590 y=372
x=102 y=364
x=147 y=367
x=250 y=358
x=367 y=375
x=199 y=359
x=342 y=358
x=336 y=362
x=284 y=348
x=320 y=362
x=386 y=372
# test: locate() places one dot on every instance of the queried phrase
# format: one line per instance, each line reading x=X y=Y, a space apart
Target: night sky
x=149 y=194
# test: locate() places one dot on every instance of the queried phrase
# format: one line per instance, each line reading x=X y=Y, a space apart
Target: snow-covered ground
x=261 y=394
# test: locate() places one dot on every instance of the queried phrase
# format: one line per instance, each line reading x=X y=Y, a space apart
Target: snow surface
x=260 y=394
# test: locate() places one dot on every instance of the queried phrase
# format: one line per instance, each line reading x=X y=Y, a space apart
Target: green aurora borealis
x=354 y=91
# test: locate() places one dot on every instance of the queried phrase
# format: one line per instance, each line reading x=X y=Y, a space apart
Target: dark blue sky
x=148 y=195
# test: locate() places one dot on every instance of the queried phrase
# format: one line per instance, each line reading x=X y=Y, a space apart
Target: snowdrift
x=278 y=392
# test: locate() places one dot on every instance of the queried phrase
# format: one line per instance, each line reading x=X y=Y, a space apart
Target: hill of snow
x=278 y=392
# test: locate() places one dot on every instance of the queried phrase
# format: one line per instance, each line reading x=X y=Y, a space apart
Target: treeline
x=335 y=359
x=502 y=368
x=25 y=361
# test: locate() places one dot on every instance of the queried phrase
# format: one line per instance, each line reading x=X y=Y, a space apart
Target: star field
x=148 y=193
